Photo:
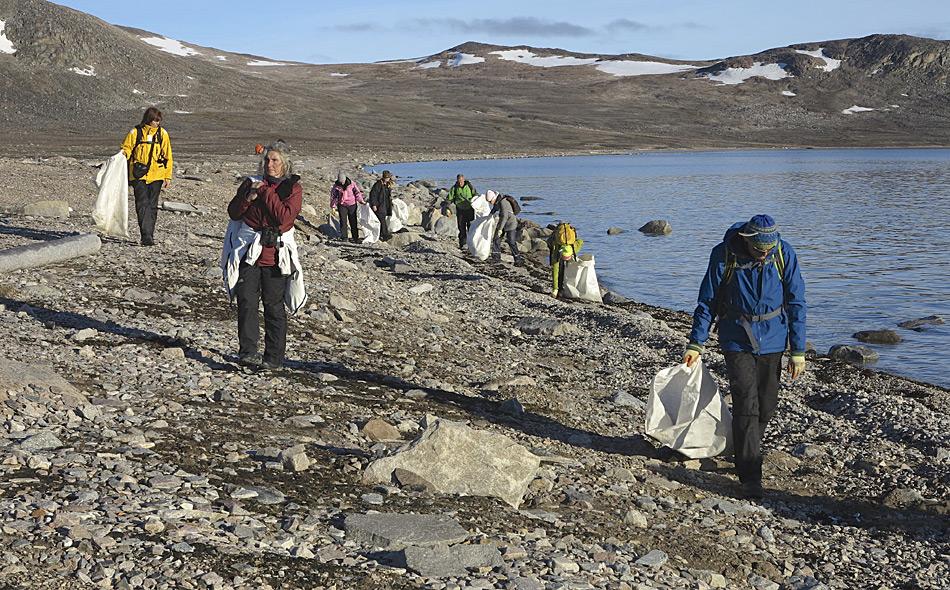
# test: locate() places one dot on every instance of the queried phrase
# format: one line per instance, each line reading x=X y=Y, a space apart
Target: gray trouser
x=511 y=238
x=753 y=382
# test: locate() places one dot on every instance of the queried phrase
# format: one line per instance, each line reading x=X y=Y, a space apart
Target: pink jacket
x=350 y=194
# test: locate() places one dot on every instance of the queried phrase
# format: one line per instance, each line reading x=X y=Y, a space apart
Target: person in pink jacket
x=345 y=196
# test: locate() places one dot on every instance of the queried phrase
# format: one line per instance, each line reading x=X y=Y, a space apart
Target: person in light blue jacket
x=754 y=286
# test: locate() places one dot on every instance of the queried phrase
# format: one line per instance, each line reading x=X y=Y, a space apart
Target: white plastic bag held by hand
x=686 y=413
x=480 y=236
x=400 y=216
x=369 y=223
x=580 y=279
x=111 y=211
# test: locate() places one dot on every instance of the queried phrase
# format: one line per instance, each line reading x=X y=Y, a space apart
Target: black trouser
x=146 y=207
x=383 y=226
x=465 y=216
x=753 y=382
x=348 y=213
x=510 y=237
x=256 y=283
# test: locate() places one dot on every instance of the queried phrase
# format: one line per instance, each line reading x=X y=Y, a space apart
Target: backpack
x=778 y=258
x=564 y=234
x=515 y=207
x=139 y=170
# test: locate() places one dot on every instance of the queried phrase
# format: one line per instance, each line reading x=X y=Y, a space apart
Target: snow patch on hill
x=6 y=46
x=830 y=64
x=90 y=71
x=613 y=67
x=758 y=70
x=551 y=61
x=856 y=109
x=221 y=57
x=338 y=75
x=641 y=68
x=262 y=63
x=464 y=59
x=429 y=65
x=172 y=46
x=788 y=93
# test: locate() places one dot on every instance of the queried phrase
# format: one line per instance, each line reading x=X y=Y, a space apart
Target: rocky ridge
x=137 y=453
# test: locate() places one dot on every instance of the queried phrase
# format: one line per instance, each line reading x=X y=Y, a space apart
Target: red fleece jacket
x=253 y=213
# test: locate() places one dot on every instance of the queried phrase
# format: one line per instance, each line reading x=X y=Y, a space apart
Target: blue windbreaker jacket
x=755 y=290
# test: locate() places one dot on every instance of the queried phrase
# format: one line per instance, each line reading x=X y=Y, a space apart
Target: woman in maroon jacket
x=268 y=206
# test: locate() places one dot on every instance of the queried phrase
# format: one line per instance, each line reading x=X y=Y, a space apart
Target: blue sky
x=372 y=30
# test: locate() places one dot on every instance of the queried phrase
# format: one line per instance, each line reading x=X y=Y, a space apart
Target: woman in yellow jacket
x=149 y=151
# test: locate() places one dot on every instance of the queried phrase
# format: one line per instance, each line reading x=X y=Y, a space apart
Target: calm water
x=871 y=227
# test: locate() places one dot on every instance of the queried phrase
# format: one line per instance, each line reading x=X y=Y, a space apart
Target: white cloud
x=171 y=46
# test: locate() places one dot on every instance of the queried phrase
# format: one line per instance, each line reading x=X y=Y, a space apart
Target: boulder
x=456 y=459
x=546 y=327
x=430 y=217
x=855 y=355
x=658 y=227
x=442 y=561
x=921 y=324
x=612 y=231
x=58 y=209
x=39 y=380
x=613 y=298
x=379 y=430
x=415 y=215
x=403 y=239
x=397 y=531
x=877 y=336
x=446 y=226
x=177 y=207
x=341 y=303
x=308 y=211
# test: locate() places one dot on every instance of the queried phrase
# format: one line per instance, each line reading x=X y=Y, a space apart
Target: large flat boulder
x=546 y=327
x=40 y=380
x=397 y=531
x=855 y=355
x=59 y=209
x=452 y=458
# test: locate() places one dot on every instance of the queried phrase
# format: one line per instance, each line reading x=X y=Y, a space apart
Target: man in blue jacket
x=755 y=288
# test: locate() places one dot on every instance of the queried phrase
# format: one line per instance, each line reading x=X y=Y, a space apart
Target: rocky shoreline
x=138 y=454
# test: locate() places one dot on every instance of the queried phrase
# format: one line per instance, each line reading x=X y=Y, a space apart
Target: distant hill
x=70 y=81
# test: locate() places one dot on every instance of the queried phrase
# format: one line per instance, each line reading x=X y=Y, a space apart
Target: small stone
x=421 y=289
x=381 y=431
x=42 y=441
x=512 y=407
x=622 y=398
x=327 y=377
x=373 y=499
x=341 y=303
x=564 y=565
x=173 y=353
x=654 y=558
x=182 y=547
x=86 y=334
x=635 y=518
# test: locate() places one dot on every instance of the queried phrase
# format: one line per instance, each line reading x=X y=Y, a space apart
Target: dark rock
x=659 y=227
x=397 y=531
x=921 y=324
x=614 y=231
x=855 y=355
x=612 y=298
x=877 y=336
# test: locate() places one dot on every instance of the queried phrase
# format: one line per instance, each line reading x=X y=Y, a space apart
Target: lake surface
x=871 y=228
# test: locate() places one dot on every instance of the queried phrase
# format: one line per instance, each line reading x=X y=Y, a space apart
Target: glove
x=796 y=365
x=693 y=351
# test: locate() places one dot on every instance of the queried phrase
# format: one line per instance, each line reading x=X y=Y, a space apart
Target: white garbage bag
x=111 y=211
x=686 y=413
x=481 y=235
x=580 y=279
x=399 y=217
x=369 y=223
x=481 y=206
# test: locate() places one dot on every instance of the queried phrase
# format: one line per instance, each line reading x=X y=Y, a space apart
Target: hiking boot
x=554 y=293
x=250 y=359
x=752 y=490
x=271 y=365
x=148 y=242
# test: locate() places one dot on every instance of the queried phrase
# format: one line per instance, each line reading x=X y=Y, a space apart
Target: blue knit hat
x=761 y=232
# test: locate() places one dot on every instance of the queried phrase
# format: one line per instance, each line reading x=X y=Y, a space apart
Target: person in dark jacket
x=381 y=202
x=461 y=195
x=507 y=224
x=754 y=286
x=271 y=203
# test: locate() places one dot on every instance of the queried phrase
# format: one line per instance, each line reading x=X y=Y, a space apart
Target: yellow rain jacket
x=161 y=168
